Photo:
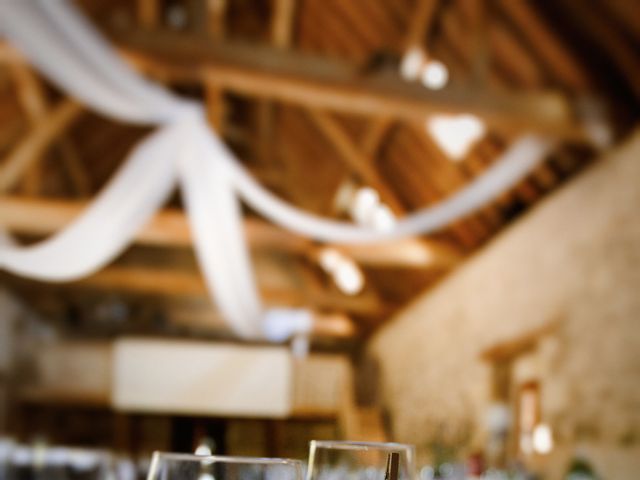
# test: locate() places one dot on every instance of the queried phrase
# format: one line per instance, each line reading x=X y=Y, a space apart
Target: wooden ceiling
x=307 y=93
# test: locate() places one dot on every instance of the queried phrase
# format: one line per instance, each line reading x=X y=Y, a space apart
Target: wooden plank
x=216 y=13
x=330 y=325
x=37 y=216
x=62 y=397
x=620 y=52
x=546 y=44
x=40 y=137
x=517 y=64
x=295 y=78
x=214 y=95
x=357 y=162
x=148 y=13
x=170 y=228
x=216 y=108
x=35 y=105
x=183 y=283
x=421 y=20
x=420 y=25
x=282 y=23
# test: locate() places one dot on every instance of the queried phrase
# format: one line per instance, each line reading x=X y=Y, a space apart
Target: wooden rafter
x=282 y=23
x=518 y=62
x=419 y=26
x=546 y=44
x=36 y=106
x=216 y=12
x=281 y=36
x=295 y=78
x=148 y=13
x=41 y=136
x=207 y=319
x=623 y=55
x=356 y=161
x=175 y=283
x=170 y=228
x=214 y=95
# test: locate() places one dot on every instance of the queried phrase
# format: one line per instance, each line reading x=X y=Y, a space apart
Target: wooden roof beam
x=36 y=106
x=185 y=283
x=418 y=28
x=48 y=128
x=36 y=216
x=546 y=44
x=295 y=78
x=421 y=20
x=148 y=13
x=326 y=325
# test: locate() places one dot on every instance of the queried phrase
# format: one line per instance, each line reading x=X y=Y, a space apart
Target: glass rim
x=359 y=445
x=225 y=459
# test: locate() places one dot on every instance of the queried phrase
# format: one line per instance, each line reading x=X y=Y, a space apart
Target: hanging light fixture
x=411 y=63
x=344 y=271
x=348 y=277
x=455 y=134
x=434 y=75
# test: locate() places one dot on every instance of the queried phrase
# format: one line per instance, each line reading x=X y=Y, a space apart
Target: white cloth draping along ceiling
x=184 y=151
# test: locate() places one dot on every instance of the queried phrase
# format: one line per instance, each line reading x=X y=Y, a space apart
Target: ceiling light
x=383 y=218
x=411 y=63
x=364 y=204
x=345 y=273
x=434 y=75
x=455 y=134
x=348 y=277
x=329 y=259
x=343 y=198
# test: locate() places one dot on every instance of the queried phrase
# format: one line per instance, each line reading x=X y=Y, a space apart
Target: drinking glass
x=175 y=466
x=332 y=460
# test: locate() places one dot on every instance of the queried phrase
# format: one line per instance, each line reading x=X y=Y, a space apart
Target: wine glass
x=342 y=460
x=176 y=466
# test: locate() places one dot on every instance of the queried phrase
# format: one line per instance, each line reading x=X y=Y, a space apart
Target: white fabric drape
x=109 y=223
x=525 y=153
x=215 y=219
x=71 y=53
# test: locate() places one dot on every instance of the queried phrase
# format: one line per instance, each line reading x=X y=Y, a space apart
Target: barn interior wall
x=570 y=268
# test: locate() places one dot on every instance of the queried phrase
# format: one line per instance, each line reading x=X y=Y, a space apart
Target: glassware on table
x=175 y=466
x=342 y=460
x=41 y=462
x=6 y=448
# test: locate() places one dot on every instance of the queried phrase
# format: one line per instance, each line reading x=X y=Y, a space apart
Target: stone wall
x=576 y=259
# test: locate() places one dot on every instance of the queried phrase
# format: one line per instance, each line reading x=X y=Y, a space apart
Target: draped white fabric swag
x=184 y=151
